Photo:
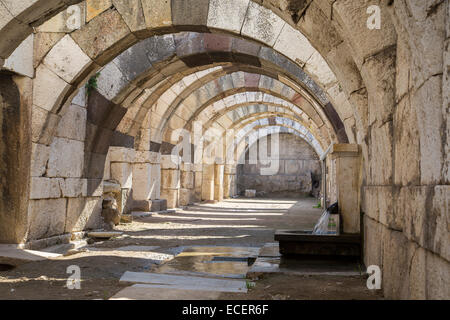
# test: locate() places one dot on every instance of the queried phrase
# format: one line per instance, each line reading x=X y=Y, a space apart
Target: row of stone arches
x=383 y=89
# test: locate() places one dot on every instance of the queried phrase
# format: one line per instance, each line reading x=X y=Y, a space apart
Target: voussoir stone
x=45 y=95
x=228 y=15
x=104 y=37
x=67 y=59
x=158 y=13
x=131 y=11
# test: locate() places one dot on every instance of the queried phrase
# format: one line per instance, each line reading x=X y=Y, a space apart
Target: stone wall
x=299 y=171
x=64 y=196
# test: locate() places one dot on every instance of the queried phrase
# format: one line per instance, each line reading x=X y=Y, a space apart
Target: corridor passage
x=208 y=241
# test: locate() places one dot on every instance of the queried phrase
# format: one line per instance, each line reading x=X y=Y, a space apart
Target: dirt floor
x=236 y=222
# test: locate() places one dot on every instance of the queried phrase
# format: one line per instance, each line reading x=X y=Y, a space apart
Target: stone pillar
x=121 y=168
x=218 y=182
x=146 y=179
x=187 y=184
x=346 y=160
x=229 y=181
x=198 y=181
x=208 y=182
x=170 y=180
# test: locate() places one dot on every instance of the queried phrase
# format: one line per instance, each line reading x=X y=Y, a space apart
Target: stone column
x=346 y=160
x=208 y=182
x=187 y=184
x=170 y=180
x=218 y=182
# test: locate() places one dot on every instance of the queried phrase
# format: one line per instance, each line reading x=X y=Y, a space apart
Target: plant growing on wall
x=92 y=83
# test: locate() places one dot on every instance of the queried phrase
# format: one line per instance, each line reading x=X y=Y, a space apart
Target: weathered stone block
x=437 y=277
x=73 y=123
x=407 y=145
x=367 y=42
x=150 y=205
x=427 y=102
x=262 y=24
x=83 y=214
x=120 y=154
x=96 y=7
x=43 y=43
x=142 y=181
x=46 y=218
x=45 y=96
x=147 y=157
x=171 y=195
x=373 y=242
x=395 y=264
x=187 y=179
x=170 y=179
x=73 y=188
x=228 y=15
x=44 y=188
x=40 y=155
x=437 y=223
x=157 y=13
x=80 y=97
x=410 y=204
x=21 y=60
x=66 y=158
x=115 y=35
x=207 y=189
x=417 y=272
x=294 y=45
x=132 y=13
x=111 y=81
x=187 y=166
x=190 y=13
x=94 y=187
x=170 y=162
x=142 y=205
x=67 y=60
x=185 y=197
x=66 y=21
x=122 y=172
x=155 y=182
x=381 y=149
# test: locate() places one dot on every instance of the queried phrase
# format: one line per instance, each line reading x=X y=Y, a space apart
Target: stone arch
x=388 y=76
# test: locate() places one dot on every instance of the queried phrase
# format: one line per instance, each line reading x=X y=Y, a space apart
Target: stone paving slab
x=148 y=292
x=185 y=282
x=16 y=256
